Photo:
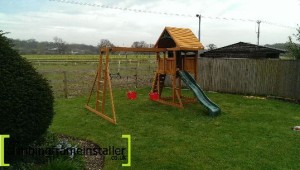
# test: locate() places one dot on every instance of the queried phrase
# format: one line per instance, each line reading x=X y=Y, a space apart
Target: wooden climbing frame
x=180 y=52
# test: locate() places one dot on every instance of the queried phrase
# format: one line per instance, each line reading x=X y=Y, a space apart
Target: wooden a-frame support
x=102 y=81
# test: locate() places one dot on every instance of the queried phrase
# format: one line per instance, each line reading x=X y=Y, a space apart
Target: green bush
x=26 y=100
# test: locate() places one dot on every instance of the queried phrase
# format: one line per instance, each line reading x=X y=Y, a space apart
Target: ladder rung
x=101 y=81
x=99 y=101
x=100 y=91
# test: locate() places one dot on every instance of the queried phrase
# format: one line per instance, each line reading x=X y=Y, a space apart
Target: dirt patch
x=92 y=162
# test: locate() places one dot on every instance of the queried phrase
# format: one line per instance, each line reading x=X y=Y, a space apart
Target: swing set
x=176 y=53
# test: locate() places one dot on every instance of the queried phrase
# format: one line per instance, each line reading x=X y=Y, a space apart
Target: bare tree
x=139 y=44
x=211 y=46
x=151 y=45
x=60 y=45
x=105 y=43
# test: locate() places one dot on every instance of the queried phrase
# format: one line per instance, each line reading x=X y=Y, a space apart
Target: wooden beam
x=100 y=114
x=169 y=103
x=112 y=102
x=184 y=49
x=129 y=49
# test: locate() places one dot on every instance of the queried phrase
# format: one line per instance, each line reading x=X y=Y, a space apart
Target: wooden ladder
x=103 y=83
x=158 y=83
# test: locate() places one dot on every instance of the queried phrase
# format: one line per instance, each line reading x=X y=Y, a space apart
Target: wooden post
x=182 y=61
x=99 y=74
x=196 y=67
x=106 y=78
x=164 y=63
x=65 y=84
x=179 y=87
x=174 y=77
x=183 y=68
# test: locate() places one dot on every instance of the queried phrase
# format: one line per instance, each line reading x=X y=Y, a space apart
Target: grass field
x=61 y=57
x=88 y=57
x=250 y=133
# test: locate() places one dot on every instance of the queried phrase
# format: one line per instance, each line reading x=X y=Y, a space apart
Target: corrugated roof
x=243 y=50
x=183 y=37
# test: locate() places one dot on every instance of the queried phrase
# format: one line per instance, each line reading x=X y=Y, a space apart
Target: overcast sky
x=44 y=19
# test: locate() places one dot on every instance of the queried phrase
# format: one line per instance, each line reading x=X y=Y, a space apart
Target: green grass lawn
x=249 y=133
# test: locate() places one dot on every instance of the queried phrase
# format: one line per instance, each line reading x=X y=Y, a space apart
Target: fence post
x=136 y=73
x=119 y=66
x=65 y=84
x=298 y=81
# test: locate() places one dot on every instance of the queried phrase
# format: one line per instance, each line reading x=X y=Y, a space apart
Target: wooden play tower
x=176 y=51
x=181 y=53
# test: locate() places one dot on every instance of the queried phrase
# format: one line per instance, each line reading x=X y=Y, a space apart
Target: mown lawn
x=249 y=133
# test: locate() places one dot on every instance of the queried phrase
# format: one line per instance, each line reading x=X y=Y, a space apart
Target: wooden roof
x=180 y=38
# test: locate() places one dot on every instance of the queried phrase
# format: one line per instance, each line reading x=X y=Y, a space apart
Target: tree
x=139 y=44
x=294 y=48
x=105 y=43
x=281 y=46
x=211 y=46
x=26 y=107
x=60 y=45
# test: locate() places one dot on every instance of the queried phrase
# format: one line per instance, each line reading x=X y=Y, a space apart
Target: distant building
x=243 y=50
x=74 y=52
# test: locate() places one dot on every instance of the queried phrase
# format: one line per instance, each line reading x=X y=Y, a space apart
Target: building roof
x=173 y=37
x=244 y=50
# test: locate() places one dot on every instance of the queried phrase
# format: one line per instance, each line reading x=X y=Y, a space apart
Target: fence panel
x=249 y=76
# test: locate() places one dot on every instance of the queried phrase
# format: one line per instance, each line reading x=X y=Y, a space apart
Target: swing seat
x=154 y=96
x=131 y=95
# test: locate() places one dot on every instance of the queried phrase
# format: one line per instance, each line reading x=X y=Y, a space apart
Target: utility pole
x=199 y=30
x=258 y=30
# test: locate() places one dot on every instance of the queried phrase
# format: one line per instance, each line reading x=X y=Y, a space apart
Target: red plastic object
x=131 y=95
x=154 y=96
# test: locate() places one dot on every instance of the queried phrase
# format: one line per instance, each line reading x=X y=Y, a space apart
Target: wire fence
x=74 y=78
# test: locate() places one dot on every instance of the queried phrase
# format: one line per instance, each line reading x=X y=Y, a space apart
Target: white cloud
x=86 y=24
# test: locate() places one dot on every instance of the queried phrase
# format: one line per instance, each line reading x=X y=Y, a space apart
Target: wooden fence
x=251 y=76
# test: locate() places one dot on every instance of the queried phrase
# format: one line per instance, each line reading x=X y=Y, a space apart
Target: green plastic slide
x=213 y=109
